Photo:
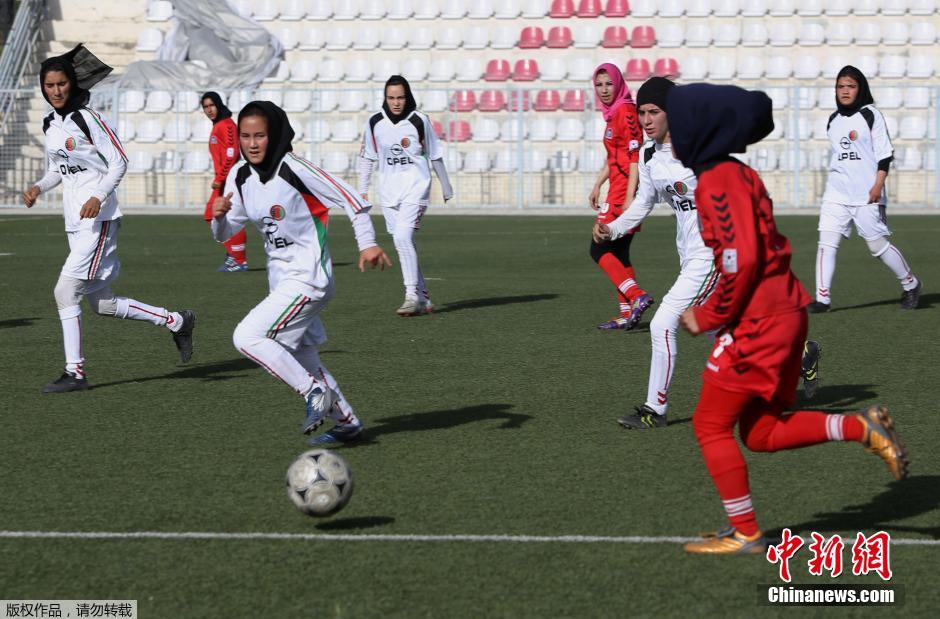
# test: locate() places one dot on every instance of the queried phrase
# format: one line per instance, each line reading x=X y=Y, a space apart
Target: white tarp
x=210 y=46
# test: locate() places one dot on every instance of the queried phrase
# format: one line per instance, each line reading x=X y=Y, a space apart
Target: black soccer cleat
x=184 y=337
x=643 y=418
x=809 y=368
x=911 y=298
x=66 y=382
x=818 y=308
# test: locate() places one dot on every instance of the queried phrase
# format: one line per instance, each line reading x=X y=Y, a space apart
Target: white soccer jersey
x=404 y=151
x=86 y=156
x=291 y=212
x=858 y=143
x=664 y=179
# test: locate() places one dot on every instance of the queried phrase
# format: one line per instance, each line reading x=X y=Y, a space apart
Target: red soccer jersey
x=753 y=258
x=622 y=139
x=223 y=146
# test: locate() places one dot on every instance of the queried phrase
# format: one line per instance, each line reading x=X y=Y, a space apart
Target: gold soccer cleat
x=881 y=439
x=734 y=544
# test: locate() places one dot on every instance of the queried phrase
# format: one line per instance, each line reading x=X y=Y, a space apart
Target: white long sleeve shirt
x=291 y=212
x=858 y=143
x=85 y=155
x=664 y=179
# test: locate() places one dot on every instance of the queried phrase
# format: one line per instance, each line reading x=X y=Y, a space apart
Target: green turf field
x=494 y=416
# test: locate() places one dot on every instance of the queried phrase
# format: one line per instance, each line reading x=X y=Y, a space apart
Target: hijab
x=862 y=98
x=654 y=90
x=222 y=112
x=83 y=70
x=410 y=104
x=280 y=136
x=621 y=90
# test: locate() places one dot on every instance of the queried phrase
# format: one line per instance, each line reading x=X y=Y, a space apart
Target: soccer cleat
x=643 y=418
x=911 y=298
x=614 y=324
x=184 y=337
x=809 y=368
x=642 y=303
x=411 y=307
x=319 y=401
x=427 y=306
x=340 y=433
x=818 y=308
x=881 y=439
x=232 y=266
x=66 y=382
x=727 y=531
x=729 y=543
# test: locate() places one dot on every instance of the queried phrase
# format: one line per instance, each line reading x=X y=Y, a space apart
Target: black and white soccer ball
x=319 y=482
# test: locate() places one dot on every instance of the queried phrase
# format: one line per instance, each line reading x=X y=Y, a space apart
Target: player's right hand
x=222 y=205
x=30 y=196
x=594 y=197
x=601 y=232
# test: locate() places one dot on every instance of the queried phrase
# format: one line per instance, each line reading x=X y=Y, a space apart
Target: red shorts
x=609 y=212
x=207 y=215
x=761 y=357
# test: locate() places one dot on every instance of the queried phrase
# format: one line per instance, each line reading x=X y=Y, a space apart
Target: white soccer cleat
x=411 y=307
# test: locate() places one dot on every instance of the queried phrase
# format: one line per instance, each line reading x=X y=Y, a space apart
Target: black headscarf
x=222 y=112
x=708 y=123
x=410 y=104
x=654 y=90
x=83 y=70
x=280 y=136
x=863 y=97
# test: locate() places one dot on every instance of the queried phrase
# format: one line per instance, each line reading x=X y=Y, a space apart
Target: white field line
x=366 y=537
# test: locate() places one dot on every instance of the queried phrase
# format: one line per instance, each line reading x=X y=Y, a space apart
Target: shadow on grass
x=838 y=398
x=468 y=304
x=926 y=301
x=912 y=497
x=349 y=524
x=223 y=370
x=15 y=323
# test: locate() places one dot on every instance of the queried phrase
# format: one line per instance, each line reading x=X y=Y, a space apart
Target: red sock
x=235 y=246
x=621 y=276
x=633 y=290
x=769 y=430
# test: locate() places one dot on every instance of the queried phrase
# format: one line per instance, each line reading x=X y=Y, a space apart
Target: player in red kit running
x=622 y=140
x=759 y=310
x=223 y=146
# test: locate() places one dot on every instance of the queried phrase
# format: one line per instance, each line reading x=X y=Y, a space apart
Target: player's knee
x=104 y=305
x=622 y=249
x=662 y=326
x=878 y=246
x=598 y=250
x=403 y=239
x=68 y=292
x=755 y=440
x=244 y=336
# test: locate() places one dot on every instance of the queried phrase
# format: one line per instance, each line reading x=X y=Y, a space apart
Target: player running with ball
x=86 y=157
x=758 y=307
x=288 y=199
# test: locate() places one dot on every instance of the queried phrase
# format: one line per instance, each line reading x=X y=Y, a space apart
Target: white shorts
x=695 y=283
x=870 y=220
x=408 y=215
x=93 y=252
x=290 y=315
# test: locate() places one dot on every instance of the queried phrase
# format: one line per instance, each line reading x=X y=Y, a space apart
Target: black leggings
x=619 y=248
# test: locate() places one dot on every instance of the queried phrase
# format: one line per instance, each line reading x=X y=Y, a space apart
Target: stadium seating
x=506 y=9
x=504 y=37
x=475 y=37
x=359 y=70
x=159 y=11
x=671 y=35
x=589 y=8
x=415 y=69
x=158 y=101
x=643 y=8
x=617 y=8
x=638 y=69
x=721 y=68
x=335 y=162
x=492 y=101
x=535 y=9
x=666 y=67
x=196 y=162
x=615 y=37
x=518 y=99
x=754 y=34
x=344 y=10
x=586 y=36
x=426 y=9
x=643 y=37
x=562 y=9
x=698 y=34
x=453 y=9
x=312 y=39
x=399 y=9
x=525 y=71
x=458 y=131
x=139 y=162
x=149 y=40
x=532 y=37
x=480 y=9
x=449 y=37
x=574 y=101
x=297 y=101
x=698 y=8
x=570 y=130
x=345 y=131
x=127 y=131
x=486 y=130
x=463 y=101
x=542 y=129
x=547 y=101
x=560 y=37
x=750 y=67
x=726 y=8
x=477 y=162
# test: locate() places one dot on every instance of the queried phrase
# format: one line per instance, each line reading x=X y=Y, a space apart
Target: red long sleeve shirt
x=753 y=258
x=622 y=139
x=223 y=146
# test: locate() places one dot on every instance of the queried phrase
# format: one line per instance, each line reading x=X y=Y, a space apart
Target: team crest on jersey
x=853 y=135
x=277 y=212
x=405 y=142
x=213 y=140
x=70 y=144
x=681 y=188
x=609 y=134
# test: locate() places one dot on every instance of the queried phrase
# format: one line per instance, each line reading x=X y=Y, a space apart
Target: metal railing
x=18 y=51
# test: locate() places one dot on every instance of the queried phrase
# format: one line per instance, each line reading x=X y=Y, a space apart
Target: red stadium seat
x=638 y=69
x=615 y=37
x=497 y=71
x=547 y=101
x=617 y=8
x=559 y=36
x=519 y=99
x=590 y=8
x=491 y=101
x=532 y=37
x=458 y=131
x=525 y=71
x=666 y=67
x=463 y=101
x=562 y=8
x=643 y=36
x=438 y=129
x=574 y=101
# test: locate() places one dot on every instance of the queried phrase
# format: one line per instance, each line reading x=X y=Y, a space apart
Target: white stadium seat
x=595 y=128
x=370 y=10
x=721 y=66
x=811 y=34
x=865 y=7
x=480 y=9
x=810 y=8
x=453 y=9
x=806 y=67
x=150 y=130
x=754 y=35
x=504 y=37
x=297 y=101
x=930 y=160
x=832 y=64
x=570 y=130
x=895 y=33
x=791 y=161
x=319 y=131
x=750 y=67
x=287 y=36
x=580 y=68
x=511 y=131
x=694 y=68
x=922 y=7
x=542 y=130
x=470 y=69
x=782 y=34
x=336 y=162
x=553 y=69
x=697 y=8
x=238 y=99
x=671 y=8
x=294 y=10
x=505 y=9
x=486 y=130
x=592 y=160
x=698 y=34
x=448 y=37
x=325 y=100
x=868 y=65
x=127 y=131
x=345 y=131
x=892 y=66
x=838 y=7
x=670 y=35
x=159 y=10
x=911 y=159
x=532 y=9
x=505 y=162
x=912 y=127
x=586 y=36
x=806 y=98
x=564 y=161
x=196 y=162
x=778 y=68
x=331 y=70
x=186 y=101
x=534 y=161
x=726 y=8
x=353 y=101
x=442 y=70
x=367 y=37
x=727 y=34
x=867 y=33
x=415 y=69
x=358 y=70
x=313 y=39
x=821 y=127
x=764 y=160
x=839 y=33
x=920 y=65
x=274 y=96
x=453 y=159
x=421 y=38
x=433 y=100
x=158 y=101
x=476 y=161
x=426 y=9
x=139 y=162
x=303 y=71
x=393 y=37
x=280 y=73
x=782 y=8
x=345 y=9
x=643 y=8
x=779 y=96
x=384 y=67
x=916 y=97
x=923 y=33
x=265 y=10
x=149 y=40
x=319 y=10
x=753 y=8
x=476 y=37
x=779 y=130
x=339 y=38
x=891 y=124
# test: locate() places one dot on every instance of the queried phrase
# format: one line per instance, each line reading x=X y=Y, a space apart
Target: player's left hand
x=874 y=194
x=91 y=208
x=600 y=232
x=688 y=322
x=446 y=198
x=375 y=257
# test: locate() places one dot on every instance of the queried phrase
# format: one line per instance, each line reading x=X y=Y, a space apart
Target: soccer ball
x=319 y=482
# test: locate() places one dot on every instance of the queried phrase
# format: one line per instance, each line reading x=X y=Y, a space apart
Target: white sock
x=279 y=362
x=71 y=318
x=663 y=363
x=131 y=309
x=835 y=427
x=342 y=412
x=408 y=257
x=895 y=261
x=826 y=264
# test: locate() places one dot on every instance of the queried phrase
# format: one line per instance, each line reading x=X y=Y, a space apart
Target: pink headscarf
x=621 y=90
